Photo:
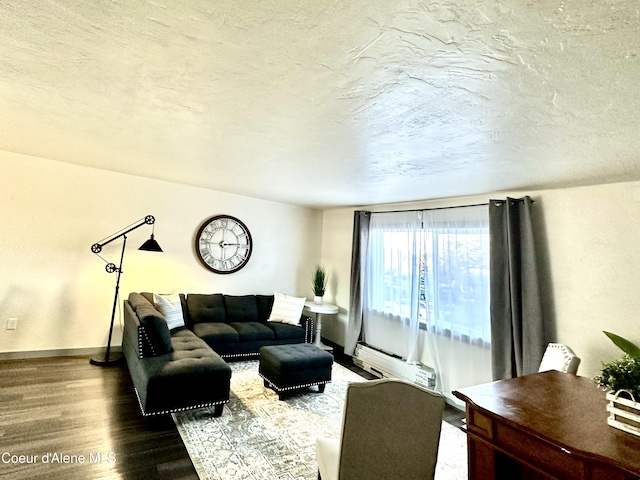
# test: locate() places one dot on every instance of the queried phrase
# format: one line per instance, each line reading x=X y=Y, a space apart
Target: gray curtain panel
x=361 y=220
x=518 y=337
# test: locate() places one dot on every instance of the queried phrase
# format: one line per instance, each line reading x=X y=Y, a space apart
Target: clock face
x=223 y=244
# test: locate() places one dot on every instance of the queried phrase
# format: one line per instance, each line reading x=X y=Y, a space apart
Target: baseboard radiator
x=385 y=365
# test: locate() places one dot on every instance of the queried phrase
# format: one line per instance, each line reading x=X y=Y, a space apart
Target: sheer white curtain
x=426 y=292
x=390 y=310
x=455 y=245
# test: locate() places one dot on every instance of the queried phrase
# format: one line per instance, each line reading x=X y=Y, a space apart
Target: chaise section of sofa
x=171 y=370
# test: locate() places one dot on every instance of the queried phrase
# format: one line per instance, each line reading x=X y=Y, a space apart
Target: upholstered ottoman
x=291 y=367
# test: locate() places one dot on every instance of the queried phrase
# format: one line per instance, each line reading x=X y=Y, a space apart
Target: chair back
x=559 y=357
x=391 y=430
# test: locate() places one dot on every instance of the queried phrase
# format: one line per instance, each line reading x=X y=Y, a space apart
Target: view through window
x=442 y=271
x=454 y=282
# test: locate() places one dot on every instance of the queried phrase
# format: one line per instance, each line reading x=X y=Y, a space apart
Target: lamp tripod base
x=114 y=358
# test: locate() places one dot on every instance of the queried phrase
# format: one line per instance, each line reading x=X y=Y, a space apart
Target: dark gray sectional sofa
x=185 y=367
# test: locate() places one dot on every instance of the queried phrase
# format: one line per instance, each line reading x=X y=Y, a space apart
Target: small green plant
x=623 y=373
x=319 y=280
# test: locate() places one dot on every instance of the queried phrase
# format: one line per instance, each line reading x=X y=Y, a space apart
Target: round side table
x=319 y=310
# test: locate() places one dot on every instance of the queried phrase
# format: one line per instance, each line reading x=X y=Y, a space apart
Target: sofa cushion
x=285 y=331
x=171 y=307
x=156 y=331
x=206 y=308
x=215 y=332
x=265 y=304
x=286 y=309
x=241 y=308
x=252 y=331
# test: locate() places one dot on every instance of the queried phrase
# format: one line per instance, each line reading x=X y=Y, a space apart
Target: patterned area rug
x=259 y=437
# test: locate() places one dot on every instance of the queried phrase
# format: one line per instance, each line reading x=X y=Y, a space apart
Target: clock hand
x=224 y=244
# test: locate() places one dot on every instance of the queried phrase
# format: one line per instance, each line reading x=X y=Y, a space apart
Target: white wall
x=52 y=212
x=589 y=252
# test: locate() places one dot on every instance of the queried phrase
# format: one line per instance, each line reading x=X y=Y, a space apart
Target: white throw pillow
x=286 y=309
x=170 y=307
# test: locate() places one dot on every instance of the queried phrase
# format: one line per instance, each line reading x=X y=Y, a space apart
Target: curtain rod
x=442 y=208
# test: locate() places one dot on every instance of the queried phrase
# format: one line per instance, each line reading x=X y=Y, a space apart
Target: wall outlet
x=12 y=324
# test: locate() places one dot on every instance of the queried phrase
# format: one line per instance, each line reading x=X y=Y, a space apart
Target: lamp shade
x=150 y=245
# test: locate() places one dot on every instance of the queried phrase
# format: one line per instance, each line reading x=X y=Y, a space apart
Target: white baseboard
x=65 y=352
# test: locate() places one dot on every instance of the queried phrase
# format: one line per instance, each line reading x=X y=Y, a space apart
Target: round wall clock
x=223 y=244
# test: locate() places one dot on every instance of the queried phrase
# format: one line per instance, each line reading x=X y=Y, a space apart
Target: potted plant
x=319 y=283
x=621 y=380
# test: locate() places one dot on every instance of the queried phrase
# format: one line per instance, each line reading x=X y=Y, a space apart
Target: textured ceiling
x=325 y=103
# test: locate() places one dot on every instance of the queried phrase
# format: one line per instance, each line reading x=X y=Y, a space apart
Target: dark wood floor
x=56 y=407
x=65 y=406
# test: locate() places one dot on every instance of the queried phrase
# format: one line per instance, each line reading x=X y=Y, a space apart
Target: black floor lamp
x=150 y=246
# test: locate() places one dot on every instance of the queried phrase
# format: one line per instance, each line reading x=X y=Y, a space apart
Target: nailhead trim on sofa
x=183 y=409
x=141 y=346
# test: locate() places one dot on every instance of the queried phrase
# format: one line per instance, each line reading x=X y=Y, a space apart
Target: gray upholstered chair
x=390 y=430
x=559 y=357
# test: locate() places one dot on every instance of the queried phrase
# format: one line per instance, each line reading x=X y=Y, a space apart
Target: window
x=433 y=265
x=426 y=292
x=454 y=282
